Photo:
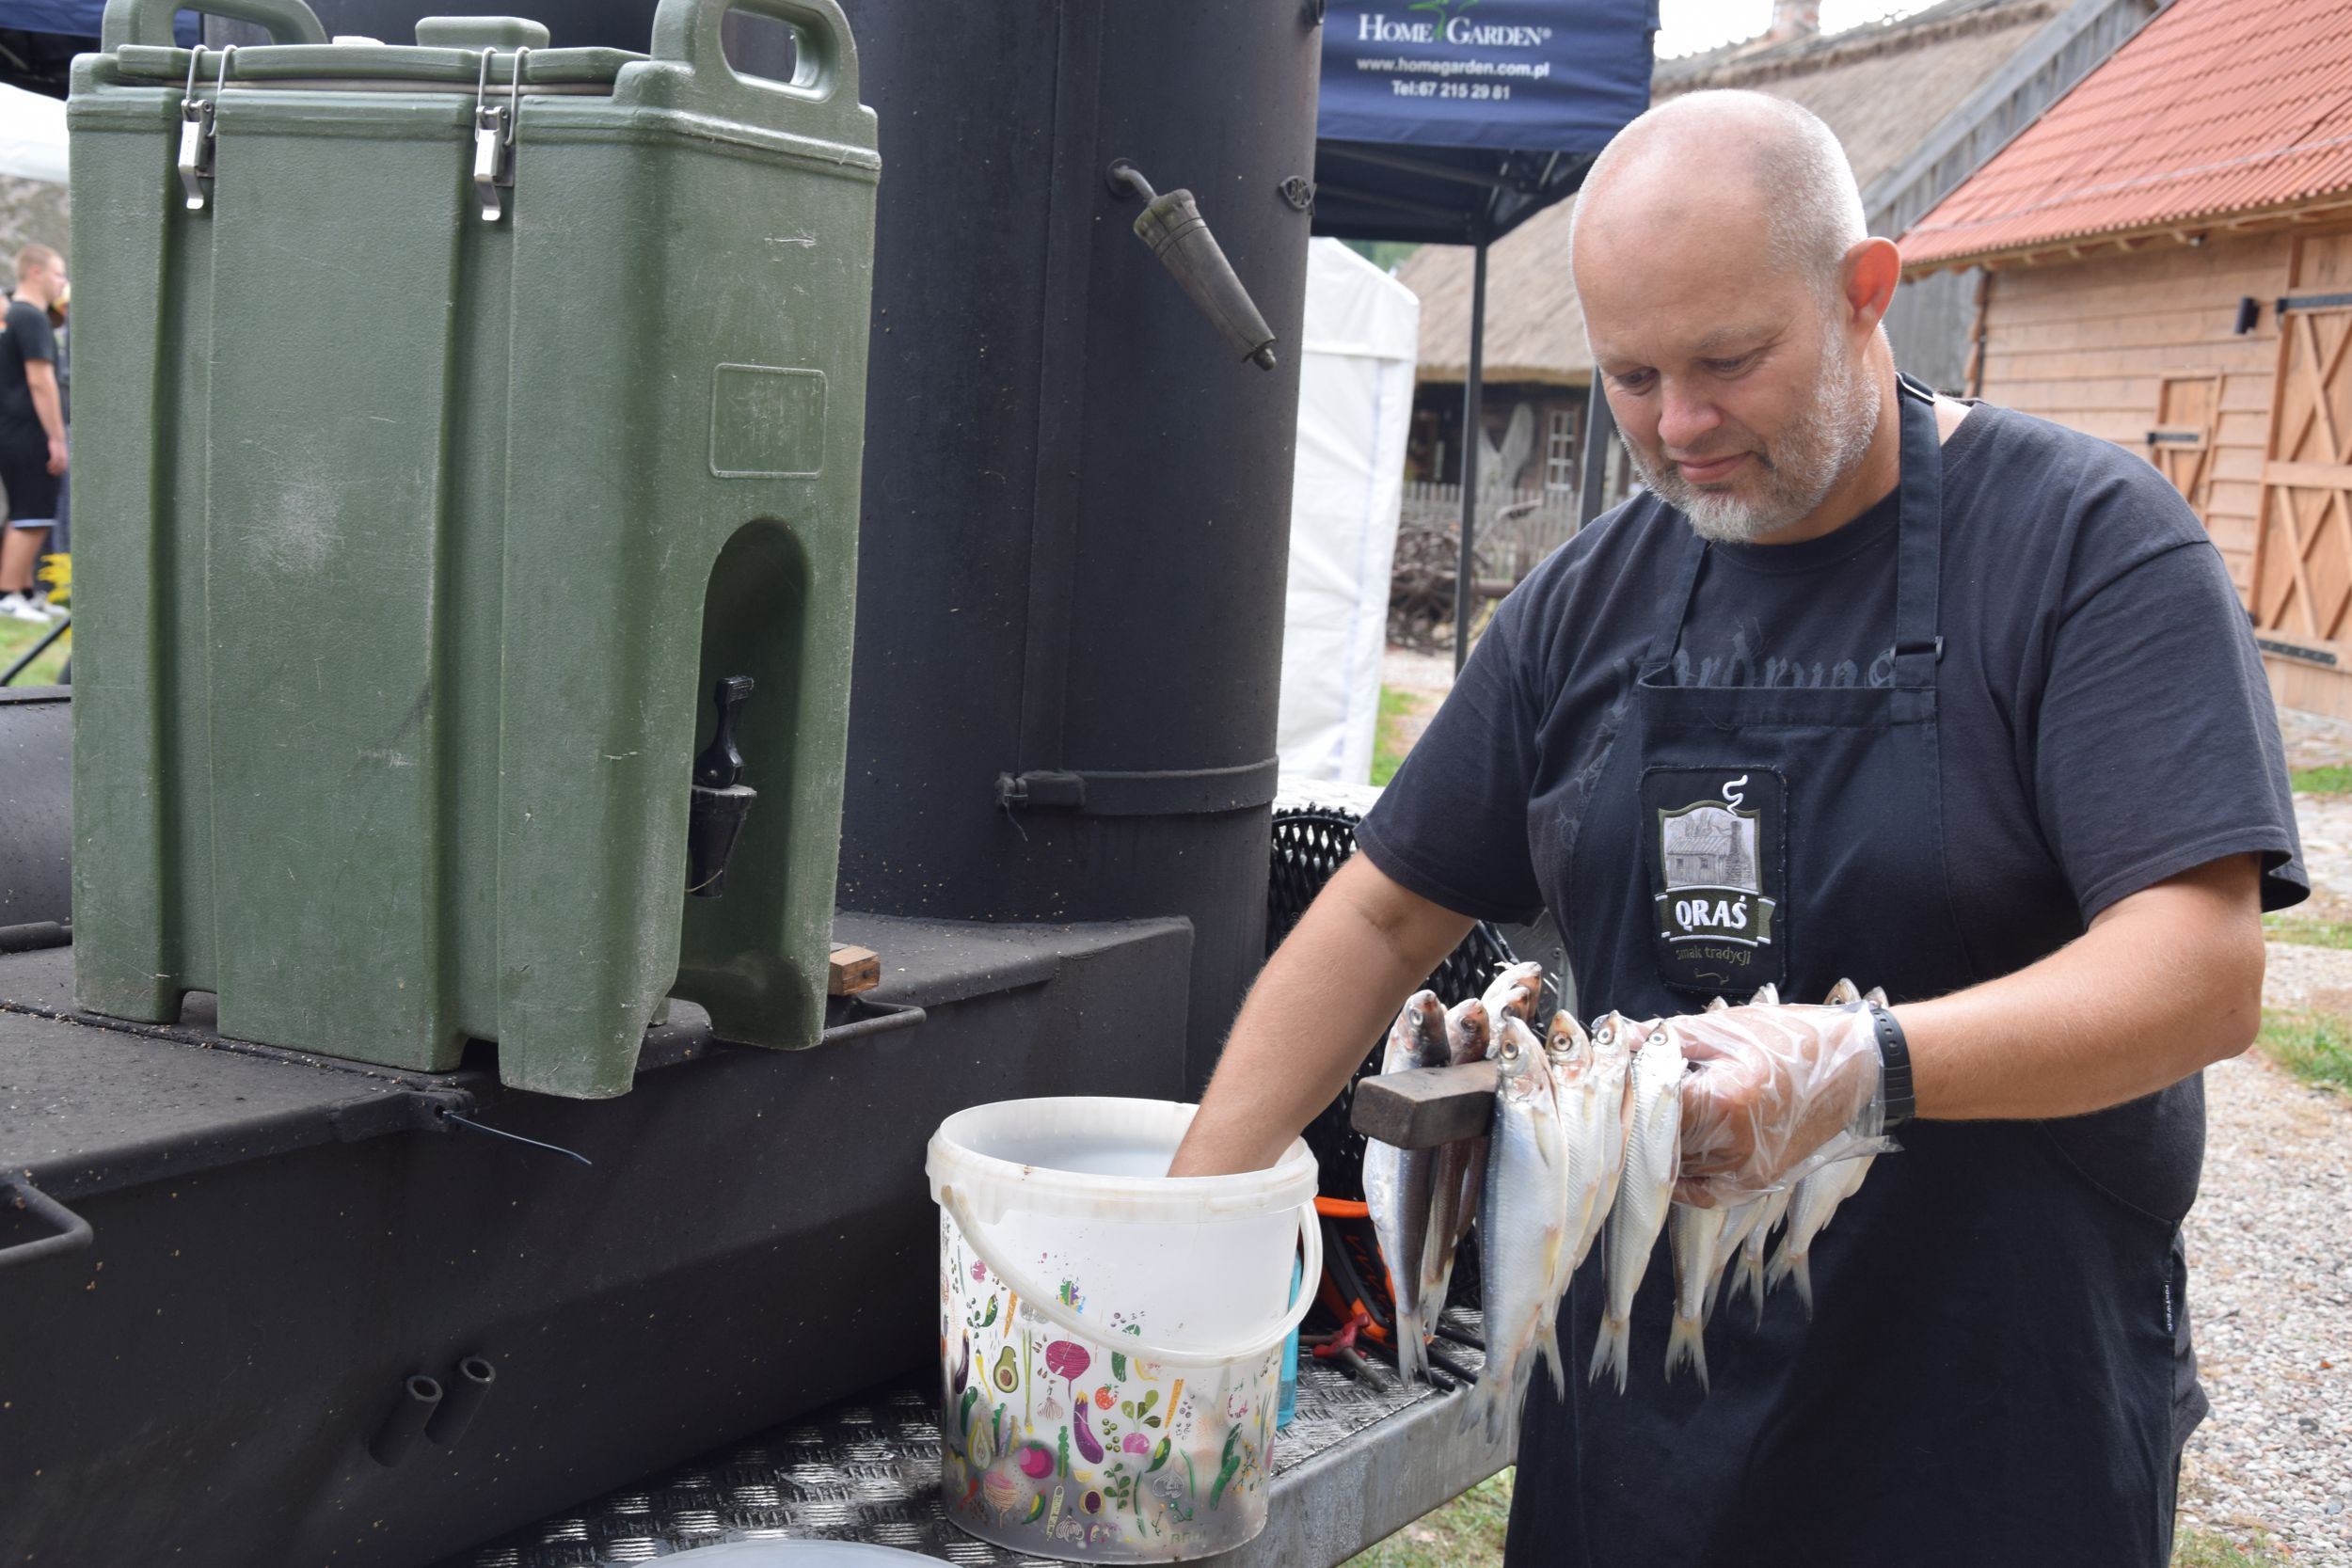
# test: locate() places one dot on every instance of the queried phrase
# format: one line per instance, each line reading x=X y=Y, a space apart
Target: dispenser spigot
x=720 y=799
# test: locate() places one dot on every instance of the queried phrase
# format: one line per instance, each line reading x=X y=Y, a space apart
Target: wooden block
x=1426 y=1106
x=853 y=969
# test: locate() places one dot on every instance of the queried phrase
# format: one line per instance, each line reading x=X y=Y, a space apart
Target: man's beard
x=1821 y=446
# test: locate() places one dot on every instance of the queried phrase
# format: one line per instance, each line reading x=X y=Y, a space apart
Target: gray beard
x=1820 y=447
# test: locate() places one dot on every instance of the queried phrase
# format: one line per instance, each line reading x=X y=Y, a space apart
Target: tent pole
x=1473 y=436
x=1599 y=426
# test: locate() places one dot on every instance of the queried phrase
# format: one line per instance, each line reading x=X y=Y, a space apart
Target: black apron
x=1989 y=1379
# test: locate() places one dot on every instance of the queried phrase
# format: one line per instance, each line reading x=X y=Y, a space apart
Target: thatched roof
x=1881 y=89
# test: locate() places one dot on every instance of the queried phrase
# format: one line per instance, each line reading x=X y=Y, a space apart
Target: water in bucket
x=1110 y=1338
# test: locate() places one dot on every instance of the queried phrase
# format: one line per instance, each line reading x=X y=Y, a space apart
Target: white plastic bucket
x=1110 y=1338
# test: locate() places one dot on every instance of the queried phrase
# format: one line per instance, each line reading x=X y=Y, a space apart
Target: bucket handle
x=149 y=21
x=1048 y=1305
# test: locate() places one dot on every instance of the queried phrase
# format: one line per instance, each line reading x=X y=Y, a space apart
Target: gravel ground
x=2270 y=1294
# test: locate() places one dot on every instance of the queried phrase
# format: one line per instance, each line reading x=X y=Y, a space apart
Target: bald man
x=1869 y=683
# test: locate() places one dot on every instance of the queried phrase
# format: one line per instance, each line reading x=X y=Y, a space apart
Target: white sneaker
x=16 y=607
x=51 y=609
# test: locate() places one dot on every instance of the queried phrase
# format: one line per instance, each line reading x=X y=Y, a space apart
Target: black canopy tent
x=1455 y=121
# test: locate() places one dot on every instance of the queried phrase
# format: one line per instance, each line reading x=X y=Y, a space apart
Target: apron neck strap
x=1918 y=551
x=1918 y=539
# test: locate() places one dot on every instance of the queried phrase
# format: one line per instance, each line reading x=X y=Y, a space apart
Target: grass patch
x=1388 y=745
x=2196 y=1546
x=2306 y=931
x=2334 y=779
x=1465 y=1533
x=2315 y=1047
x=17 y=636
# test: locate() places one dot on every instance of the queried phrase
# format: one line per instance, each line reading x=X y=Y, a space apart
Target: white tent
x=1354 y=404
x=32 y=135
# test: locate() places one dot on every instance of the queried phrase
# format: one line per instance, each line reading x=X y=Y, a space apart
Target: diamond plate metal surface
x=868 y=1469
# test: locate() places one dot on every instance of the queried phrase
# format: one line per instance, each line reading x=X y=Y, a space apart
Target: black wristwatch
x=1894 y=1070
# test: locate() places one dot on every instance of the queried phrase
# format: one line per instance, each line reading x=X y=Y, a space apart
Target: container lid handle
x=691 y=33
x=148 y=21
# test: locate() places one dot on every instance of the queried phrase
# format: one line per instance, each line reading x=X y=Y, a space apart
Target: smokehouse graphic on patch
x=1715 y=864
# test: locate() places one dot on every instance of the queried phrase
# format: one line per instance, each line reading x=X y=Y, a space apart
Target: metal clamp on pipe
x=1171 y=224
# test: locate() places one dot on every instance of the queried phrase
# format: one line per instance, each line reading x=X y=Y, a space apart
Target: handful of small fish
x=1584 y=1141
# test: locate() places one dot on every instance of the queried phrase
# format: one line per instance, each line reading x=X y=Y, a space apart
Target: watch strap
x=1894 y=1092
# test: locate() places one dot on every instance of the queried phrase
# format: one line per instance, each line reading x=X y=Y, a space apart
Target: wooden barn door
x=2303 y=559
x=2181 y=444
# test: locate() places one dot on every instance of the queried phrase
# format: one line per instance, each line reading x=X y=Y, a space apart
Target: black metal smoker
x=266 y=1307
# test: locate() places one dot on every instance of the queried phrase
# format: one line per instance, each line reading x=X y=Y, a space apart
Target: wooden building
x=2167 y=263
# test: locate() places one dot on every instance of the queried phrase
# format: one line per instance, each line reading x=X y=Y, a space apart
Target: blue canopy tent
x=38 y=39
x=1455 y=121
x=75 y=18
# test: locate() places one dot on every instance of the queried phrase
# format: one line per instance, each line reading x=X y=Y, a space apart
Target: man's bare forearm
x=1328 y=992
x=2165 y=982
x=46 y=405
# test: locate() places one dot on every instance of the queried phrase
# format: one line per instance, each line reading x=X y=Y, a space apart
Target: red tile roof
x=2214 y=109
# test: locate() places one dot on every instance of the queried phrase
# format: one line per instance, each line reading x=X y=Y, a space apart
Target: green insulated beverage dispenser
x=467 y=452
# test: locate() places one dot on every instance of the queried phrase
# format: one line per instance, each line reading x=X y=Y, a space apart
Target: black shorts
x=32 y=488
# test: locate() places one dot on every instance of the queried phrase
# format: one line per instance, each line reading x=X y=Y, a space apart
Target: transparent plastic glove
x=1765 y=1090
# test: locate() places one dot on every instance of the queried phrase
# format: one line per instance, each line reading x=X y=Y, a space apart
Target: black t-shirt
x=27 y=336
x=2105 y=721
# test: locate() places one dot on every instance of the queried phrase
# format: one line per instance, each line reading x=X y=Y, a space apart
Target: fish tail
x=1790 y=1263
x=1498 y=1415
x=1610 y=1349
x=1687 y=1342
x=1547 y=1346
x=1413 y=1347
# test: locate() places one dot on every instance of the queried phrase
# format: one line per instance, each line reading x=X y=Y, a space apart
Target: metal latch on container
x=199 y=134
x=494 y=128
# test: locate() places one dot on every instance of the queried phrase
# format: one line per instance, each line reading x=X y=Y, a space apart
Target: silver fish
x=1767 y=995
x=1716 y=1005
x=1811 y=1203
x=1613 y=1041
x=1738 y=1221
x=1518 y=990
x=1697 y=1232
x=1653 y=1158
x=1526 y=1208
x=1588 y=1085
x=1469 y=1030
x=1750 y=1279
x=1399 y=1183
x=1815 y=1198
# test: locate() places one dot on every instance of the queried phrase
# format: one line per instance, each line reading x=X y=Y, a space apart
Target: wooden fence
x=1517 y=529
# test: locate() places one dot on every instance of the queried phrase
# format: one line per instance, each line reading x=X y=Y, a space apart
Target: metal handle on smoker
x=73 y=1232
x=149 y=21
x=1173 y=226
